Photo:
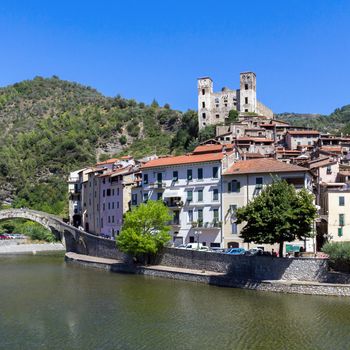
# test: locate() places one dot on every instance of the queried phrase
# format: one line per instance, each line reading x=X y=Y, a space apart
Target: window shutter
x=238 y=186
x=229 y=187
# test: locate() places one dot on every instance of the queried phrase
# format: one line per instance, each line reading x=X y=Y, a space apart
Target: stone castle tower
x=214 y=107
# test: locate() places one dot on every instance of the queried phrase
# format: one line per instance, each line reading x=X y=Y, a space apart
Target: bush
x=123 y=140
x=338 y=251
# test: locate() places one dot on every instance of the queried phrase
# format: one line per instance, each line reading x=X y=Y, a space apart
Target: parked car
x=2 y=237
x=196 y=246
x=236 y=251
x=254 y=251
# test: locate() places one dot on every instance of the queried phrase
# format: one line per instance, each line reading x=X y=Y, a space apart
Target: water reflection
x=46 y=304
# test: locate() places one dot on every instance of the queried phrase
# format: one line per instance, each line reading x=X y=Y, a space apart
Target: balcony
x=206 y=224
x=173 y=203
x=157 y=185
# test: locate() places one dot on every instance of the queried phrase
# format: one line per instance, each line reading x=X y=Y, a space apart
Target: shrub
x=123 y=140
x=338 y=251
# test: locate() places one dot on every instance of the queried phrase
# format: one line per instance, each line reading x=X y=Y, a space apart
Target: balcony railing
x=160 y=185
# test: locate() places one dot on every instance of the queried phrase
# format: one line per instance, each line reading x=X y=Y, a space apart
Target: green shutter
x=340 y=231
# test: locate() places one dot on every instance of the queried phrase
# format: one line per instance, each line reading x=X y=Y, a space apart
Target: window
x=258 y=183
x=203 y=104
x=203 y=92
x=109 y=206
x=145 y=179
x=189 y=174
x=203 y=115
x=104 y=193
x=233 y=208
x=159 y=196
x=112 y=205
x=217 y=100
x=216 y=215
x=329 y=170
x=215 y=194
x=215 y=172
x=217 y=116
x=117 y=205
x=104 y=206
x=214 y=245
x=190 y=216
x=191 y=239
x=118 y=191
x=341 y=219
x=200 y=173
x=112 y=218
x=189 y=196
x=234 y=186
x=134 y=199
x=200 y=217
x=175 y=176
x=200 y=195
x=234 y=228
x=104 y=181
x=101 y=222
x=246 y=110
x=245 y=86
x=340 y=231
x=342 y=201
x=113 y=192
x=246 y=100
x=225 y=104
x=145 y=197
x=159 y=177
x=109 y=219
x=108 y=192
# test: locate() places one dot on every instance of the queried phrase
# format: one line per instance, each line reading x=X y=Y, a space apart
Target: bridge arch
x=62 y=231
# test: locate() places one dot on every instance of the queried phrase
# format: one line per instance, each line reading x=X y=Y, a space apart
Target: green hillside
x=51 y=127
x=337 y=122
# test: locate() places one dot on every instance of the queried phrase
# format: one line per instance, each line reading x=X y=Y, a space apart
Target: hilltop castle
x=214 y=107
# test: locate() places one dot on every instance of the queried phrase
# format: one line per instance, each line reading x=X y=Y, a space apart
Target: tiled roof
x=262 y=165
x=208 y=149
x=334 y=149
x=303 y=132
x=254 y=139
x=252 y=155
x=108 y=161
x=185 y=159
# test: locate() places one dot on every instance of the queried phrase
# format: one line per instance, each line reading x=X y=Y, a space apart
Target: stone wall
x=247 y=267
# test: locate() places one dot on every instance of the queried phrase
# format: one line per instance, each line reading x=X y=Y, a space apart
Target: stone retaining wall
x=247 y=267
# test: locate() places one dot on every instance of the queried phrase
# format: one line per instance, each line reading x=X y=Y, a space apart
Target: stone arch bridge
x=74 y=239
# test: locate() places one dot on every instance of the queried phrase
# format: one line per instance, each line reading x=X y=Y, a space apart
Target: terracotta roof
x=335 y=149
x=290 y=151
x=252 y=155
x=126 y=157
x=303 y=132
x=184 y=159
x=254 y=139
x=208 y=149
x=262 y=165
x=344 y=172
x=108 y=161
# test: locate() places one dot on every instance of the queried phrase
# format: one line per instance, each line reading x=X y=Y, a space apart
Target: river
x=46 y=303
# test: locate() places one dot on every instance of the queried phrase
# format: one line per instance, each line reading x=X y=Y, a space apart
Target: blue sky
x=299 y=49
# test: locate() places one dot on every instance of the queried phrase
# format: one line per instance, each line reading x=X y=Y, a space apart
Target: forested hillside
x=50 y=127
x=337 y=122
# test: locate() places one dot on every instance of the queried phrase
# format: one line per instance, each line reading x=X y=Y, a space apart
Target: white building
x=191 y=186
x=243 y=181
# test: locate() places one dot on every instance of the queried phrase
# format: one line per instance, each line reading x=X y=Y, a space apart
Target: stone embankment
x=15 y=246
x=211 y=277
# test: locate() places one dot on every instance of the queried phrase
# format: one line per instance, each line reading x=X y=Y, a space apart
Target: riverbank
x=210 y=277
x=19 y=246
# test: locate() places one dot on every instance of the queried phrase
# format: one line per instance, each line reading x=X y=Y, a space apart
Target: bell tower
x=205 y=90
x=247 y=95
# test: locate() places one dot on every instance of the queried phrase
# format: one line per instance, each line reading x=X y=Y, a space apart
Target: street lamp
x=197 y=233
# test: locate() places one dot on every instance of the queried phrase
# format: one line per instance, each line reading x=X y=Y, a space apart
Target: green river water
x=46 y=303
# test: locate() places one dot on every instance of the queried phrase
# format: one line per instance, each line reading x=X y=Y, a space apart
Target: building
x=214 y=107
x=335 y=213
x=298 y=139
x=243 y=181
x=191 y=186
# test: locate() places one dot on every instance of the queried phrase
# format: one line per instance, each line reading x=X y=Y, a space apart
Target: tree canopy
x=278 y=214
x=145 y=229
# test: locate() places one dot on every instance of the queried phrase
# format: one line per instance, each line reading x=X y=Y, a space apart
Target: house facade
x=243 y=181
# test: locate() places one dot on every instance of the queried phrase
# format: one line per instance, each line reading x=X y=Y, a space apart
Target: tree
x=279 y=214
x=145 y=229
x=232 y=117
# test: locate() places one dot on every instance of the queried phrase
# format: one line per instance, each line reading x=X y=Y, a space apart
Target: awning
x=172 y=193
